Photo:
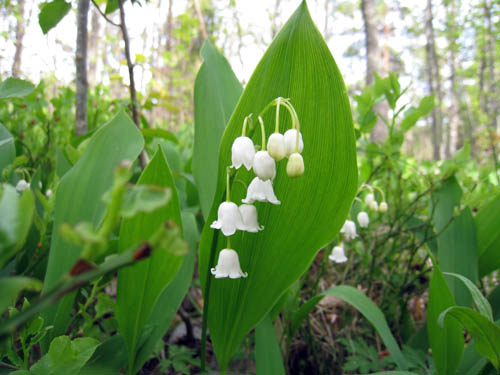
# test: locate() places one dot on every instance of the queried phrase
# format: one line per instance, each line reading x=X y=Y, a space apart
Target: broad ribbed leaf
x=79 y=199
x=138 y=287
x=15 y=88
x=216 y=92
x=16 y=215
x=268 y=359
x=11 y=286
x=457 y=246
x=7 y=149
x=447 y=343
x=488 y=236
x=485 y=333
x=169 y=301
x=52 y=13
x=298 y=65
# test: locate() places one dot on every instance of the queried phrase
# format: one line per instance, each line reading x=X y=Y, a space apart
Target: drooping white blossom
x=249 y=216
x=383 y=207
x=373 y=206
x=261 y=191
x=276 y=146
x=264 y=166
x=363 y=219
x=228 y=219
x=228 y=265
x=242 y=152
x=349 y=230
x=338 y=255
x=48 y=193
x=369 y=198
x=295 y=165
x=291 y=141
x=22 y=185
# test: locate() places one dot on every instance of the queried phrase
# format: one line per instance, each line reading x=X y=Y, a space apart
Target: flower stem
x=277 y=126
x=263 y=133
x=244 y=130
x=204 y=324
x=381 y=192
x=228 y=188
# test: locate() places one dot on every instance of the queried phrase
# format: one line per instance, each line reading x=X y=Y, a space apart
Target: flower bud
x=276 y=146
x=363 y=219
x=264 y=166
x=383 y=207
x=295 y=165
x=291 y=141
x=369 y=198
x=22 y=185
x=373 y=206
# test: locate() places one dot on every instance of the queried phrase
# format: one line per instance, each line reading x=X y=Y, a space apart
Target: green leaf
x=52 y=13
x=169 y=301
x=371 y=312
x=479 y=300
x=485 y=333
x=16 y=215
x=65 y=356
x=78 y=199
x=487 y=223
x=7 y=149
x=216 y=92
x=11 y=286
x=472 y=363
x=143 y=198
x=159 y=133
x=15 y=88
x=139 y=287
x=457 y=245
x=111 y=6
x=268 y=359
x=447 y=343
x=298 y=65
x=393 y=373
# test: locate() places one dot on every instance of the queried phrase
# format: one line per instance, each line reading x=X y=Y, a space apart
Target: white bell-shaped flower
x=22 y=185
x=249 y=216
x=363 y=219
x=261 y=191
x=369 y=198
x=264 y=166
x=291 y=141
x=383 y=207
x=228 y=265
x=373 y=206
x=349 y=230
x=242 y=152
x=276 y=146
x=48 y=193
x=295 y=165
x=338 y=255
x=228 y=219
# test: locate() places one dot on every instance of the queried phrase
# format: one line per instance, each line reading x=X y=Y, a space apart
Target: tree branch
x=104 y=15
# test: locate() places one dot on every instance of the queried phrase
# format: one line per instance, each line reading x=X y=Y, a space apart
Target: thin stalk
x=204 y=323
x=263 y=133
x=277 y=122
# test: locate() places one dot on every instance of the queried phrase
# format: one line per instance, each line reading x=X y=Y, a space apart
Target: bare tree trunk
x=454 y=113
x=493 y=101
x=94 y=45
x=81 y=67
x=203 y=28
x=373 y=58
x=143 y=158
x=16 y=66
x=433 y=79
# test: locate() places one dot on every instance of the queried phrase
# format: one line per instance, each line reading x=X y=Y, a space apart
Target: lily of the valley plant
x=277 y=147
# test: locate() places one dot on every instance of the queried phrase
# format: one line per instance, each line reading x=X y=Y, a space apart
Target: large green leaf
x=7 y=149
x=78 y=199
x=15 y=88
x=298 y=65
x=216 y=92
x=371 y=312
x=11 y=286
x=138 y=287
x=447 y=343
x=485 y=333
x=457 y=246
x=488 y=236
x=16 y=215
x=268 y=359
x=169 y=301
x=52 y=13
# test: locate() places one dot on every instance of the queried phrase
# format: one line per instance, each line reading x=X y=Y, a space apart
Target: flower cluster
x=230 y=216
x=349 y=228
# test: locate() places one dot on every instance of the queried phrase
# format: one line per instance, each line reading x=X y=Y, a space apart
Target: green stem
x=277 y=126
x=245 y=121
x=228 y=189
x=206 y=294
x=263 y=133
